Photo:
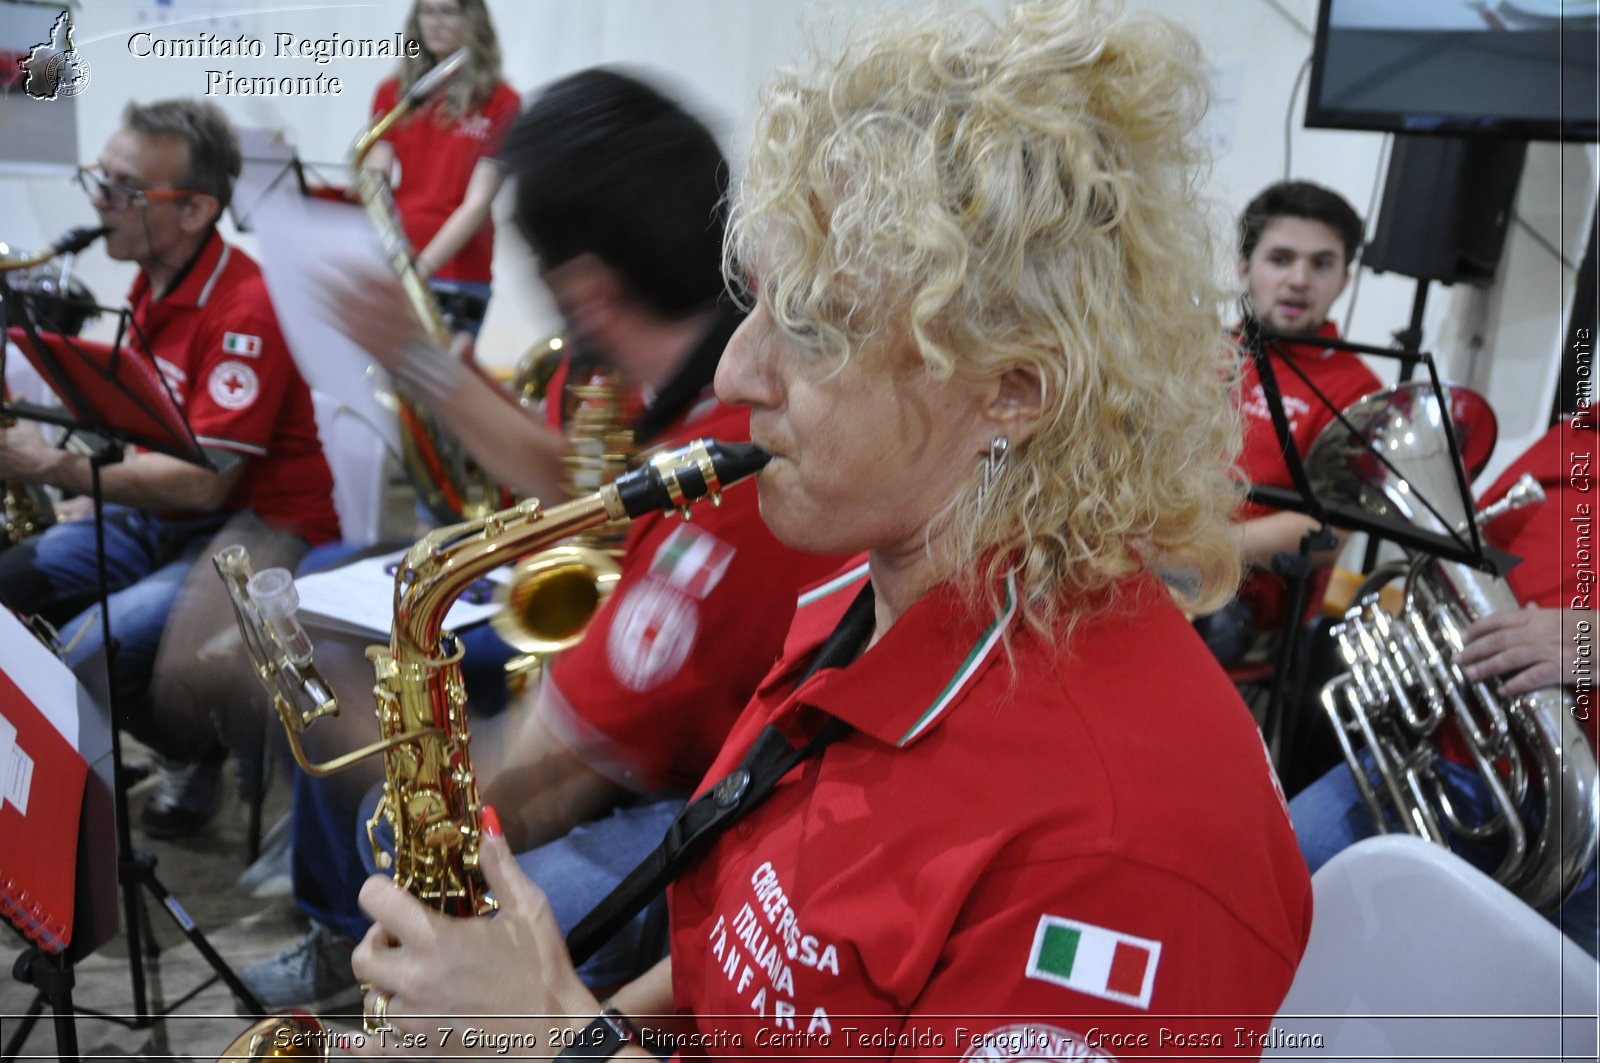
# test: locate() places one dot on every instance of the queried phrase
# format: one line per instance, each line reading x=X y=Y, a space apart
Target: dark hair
x=1300 y=199
x=214 y=158
x=606 y=165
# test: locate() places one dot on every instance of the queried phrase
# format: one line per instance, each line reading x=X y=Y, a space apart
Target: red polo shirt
x=695 y=621
x=437 y=155
x=216 y=342
x=1018 y=852
x=1342 y=377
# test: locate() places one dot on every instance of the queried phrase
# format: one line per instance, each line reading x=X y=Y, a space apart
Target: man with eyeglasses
x=200 y=311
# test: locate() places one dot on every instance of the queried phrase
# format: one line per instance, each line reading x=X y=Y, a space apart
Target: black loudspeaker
x=1446 y=205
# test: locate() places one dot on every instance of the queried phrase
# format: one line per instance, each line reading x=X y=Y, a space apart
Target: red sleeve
x=1069 y=958
x=694 y=624
x=242 y=372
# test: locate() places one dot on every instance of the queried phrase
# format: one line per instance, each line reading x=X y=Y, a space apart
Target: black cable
x=1290 y=18
x=1540 y=239
x=1288 y=117
x=1378 y=180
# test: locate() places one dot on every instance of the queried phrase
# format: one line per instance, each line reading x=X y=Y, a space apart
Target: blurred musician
x=1296 y=243
x=445 y=155
x=619 y=191
x=201 y=311
x=1042 y=796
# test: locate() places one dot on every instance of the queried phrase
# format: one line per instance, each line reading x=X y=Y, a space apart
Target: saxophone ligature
x=430 y=793
x=1403 y=691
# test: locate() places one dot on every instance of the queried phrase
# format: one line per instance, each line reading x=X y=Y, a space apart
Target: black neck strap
x=740 y=791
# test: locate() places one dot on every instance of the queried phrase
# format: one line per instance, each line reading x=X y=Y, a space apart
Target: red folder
x=95 y=380
x=38 y=851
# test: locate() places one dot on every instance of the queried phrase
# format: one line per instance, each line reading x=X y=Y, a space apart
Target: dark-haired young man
x=619 y=191
x=201 y=312
x=1297 y=241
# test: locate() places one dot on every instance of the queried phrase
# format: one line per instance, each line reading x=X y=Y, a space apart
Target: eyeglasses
x=440 y=11
x=120 y=196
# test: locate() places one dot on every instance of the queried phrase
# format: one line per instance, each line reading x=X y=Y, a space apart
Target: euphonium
x=448 y=482
x=430 y=794
x=25 y=509
x=1404 y=690
x=553 y=595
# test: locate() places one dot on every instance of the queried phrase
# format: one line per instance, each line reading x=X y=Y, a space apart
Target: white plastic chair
x=1415 y=954
x=355 y=453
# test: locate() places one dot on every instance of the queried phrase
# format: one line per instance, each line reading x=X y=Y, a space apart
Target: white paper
x=16 y=778
x=359 y=597
x=43 y=678
x=8 y=755
x=304 y=241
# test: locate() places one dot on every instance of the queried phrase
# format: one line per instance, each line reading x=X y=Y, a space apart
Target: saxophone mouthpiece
x=698 y=471
x=78 y=239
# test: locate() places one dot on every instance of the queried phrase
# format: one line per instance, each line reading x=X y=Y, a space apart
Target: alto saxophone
x=430 y=794
x=448 y=482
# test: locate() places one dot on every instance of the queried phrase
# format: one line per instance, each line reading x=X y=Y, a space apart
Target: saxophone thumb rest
x=675 y=478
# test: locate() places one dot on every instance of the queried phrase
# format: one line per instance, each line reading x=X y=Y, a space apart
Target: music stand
x=94 y=891
x=115 y=398
x=1258 y=343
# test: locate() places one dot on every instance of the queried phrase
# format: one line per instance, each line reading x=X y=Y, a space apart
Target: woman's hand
x=506 y=978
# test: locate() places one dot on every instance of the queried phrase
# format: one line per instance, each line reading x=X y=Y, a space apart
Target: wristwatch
x=603 y=1038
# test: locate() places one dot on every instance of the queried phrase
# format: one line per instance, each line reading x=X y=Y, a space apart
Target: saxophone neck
x=426 y=87
x=443 y=564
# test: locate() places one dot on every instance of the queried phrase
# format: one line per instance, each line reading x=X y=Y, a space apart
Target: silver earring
x=994 y=466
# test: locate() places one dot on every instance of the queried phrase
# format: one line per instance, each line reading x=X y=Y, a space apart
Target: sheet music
x=359 y=597
x=43 y=678
x=304 y=241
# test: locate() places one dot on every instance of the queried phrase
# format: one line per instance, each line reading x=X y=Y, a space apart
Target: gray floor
x=200 y=872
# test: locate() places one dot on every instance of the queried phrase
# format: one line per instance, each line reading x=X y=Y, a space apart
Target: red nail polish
x=491 y=822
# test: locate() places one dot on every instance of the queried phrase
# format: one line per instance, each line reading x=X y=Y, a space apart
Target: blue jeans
x=463 y=303
x=147 y=559
x=1329 y=816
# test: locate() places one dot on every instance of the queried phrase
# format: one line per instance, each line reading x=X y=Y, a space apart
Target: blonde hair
x=469 y=90
x=1022 y=196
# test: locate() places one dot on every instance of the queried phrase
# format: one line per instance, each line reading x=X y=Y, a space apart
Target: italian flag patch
x=239 y=343
x=692 y=560
x=1094 y=961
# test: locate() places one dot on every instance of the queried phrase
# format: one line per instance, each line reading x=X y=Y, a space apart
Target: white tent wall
x=1505 y=340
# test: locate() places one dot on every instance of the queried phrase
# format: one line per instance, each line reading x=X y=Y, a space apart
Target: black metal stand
x=135 y=871
x=1278 y=725
x=53 y=978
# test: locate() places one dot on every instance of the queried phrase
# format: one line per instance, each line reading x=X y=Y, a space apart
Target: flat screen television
x=1522 y=69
